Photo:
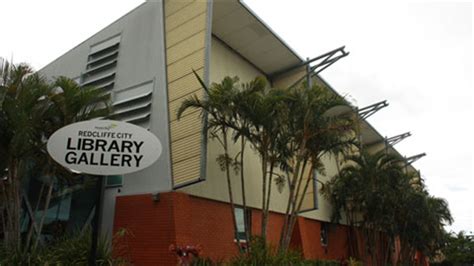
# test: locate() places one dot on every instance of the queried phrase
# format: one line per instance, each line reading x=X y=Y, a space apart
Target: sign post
x=97 y=220
x=102 y=148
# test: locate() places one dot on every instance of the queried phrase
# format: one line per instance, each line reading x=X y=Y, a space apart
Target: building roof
x=241 y=29
x=234 y=23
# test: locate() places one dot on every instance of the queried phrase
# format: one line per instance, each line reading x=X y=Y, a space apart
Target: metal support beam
x=396 y=139
x=325 y=59
x=414 y=158
x=327 y=62
x=309 y=78
x=367 y=111
x=392 y=140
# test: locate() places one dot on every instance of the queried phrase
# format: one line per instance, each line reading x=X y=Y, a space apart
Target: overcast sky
x=417 y=56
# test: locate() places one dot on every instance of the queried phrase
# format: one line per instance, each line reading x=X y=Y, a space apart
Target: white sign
x=104 y=147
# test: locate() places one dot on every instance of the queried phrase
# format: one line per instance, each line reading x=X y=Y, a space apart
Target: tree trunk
x=287 y=212
x=46 y=207
x=12 y=187
x=229 y=186
x=266 y=210
x=264 y=195
x=298 y=202
x=387 y=255
x=289 y=208
x=5 y=212
x=244 y=200
x=32 y=225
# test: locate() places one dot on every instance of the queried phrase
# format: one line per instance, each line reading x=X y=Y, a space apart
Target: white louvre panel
x=106 y=86
x=131 y=93
x=100 y=67
x=102 y=64
x=133 y=105
x=101 y=59
x=105 y=44
x=97 y=81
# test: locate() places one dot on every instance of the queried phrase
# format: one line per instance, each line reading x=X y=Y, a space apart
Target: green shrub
x=70 y=249
x=323 y=263
x=204 y=262
x=263 y=254
x=354 y=262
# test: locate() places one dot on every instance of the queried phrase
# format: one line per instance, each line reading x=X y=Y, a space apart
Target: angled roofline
x=108 y=25
x=364 y=120
x=241 y=2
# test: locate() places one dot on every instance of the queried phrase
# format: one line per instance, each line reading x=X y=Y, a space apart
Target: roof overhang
x=235 y=24
x=369 y=135
x=242 y=30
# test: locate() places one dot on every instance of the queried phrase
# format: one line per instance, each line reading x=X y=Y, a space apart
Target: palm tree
x=420 y=224
x=243 y=123
x=68 y=102
x=378 y=196
x=218 y=106
x=267 y=118
x=367 y=190
x=23 y=97
x=31 y=109
x=259 y=110
x=311 y=134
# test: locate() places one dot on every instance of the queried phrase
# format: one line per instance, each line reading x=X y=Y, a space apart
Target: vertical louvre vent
x=102 y=64
x=133 y=105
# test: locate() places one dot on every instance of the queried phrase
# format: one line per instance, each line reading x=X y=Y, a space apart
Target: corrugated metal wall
x=186 y=35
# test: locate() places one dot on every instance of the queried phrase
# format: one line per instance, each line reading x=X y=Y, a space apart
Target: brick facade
x=180 y=219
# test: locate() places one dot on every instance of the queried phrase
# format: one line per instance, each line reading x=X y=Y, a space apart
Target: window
x=114 y=181
x=324 y=234
x=70 y=206
x=240 y=222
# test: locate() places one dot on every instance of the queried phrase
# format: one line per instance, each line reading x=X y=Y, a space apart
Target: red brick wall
x=206 y=223
x=181 y=219
x=177 y=219
x=310 y=233
x=151 y=227
x=275 y=223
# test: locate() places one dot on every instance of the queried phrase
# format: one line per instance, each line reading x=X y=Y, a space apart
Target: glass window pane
x=114 y=180
x=239 y=218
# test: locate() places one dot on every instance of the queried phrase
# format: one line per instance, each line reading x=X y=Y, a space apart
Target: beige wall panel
x=186 y=125
x=186 y=171
x=185 y=48
x=185 y=66
x=184 y=86
x=224 y=62
x=215 y=186
x=186 y=148
x=185 y=41
x=324 y=210
x=290 y=78
x=308 y=199
x=376 y=147
x=186 y=30
x=411 y=170
x=174 y=105
x=187 y=13
x=173 y=6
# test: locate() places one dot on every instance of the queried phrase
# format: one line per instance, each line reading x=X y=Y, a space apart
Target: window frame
x=246 y=224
